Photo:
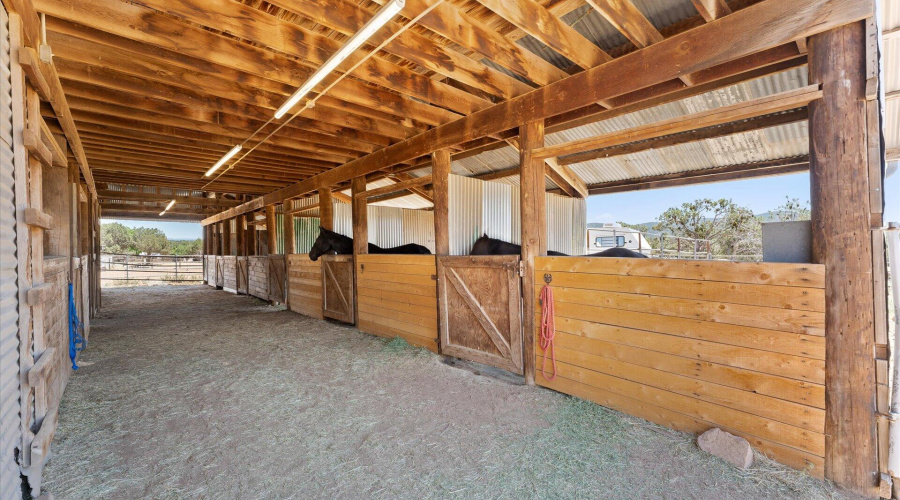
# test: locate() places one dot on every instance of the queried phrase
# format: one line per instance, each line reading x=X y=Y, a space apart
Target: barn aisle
x=185 y=392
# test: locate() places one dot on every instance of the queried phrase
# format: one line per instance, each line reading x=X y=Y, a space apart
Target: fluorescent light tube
x=167 y=208
x=376 y=23
x=222 y=161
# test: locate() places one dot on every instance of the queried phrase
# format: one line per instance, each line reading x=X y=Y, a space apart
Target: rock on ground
x=733 y=449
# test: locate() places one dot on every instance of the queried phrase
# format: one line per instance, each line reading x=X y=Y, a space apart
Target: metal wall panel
x=466 y=203
x=418 y=227
x=10 y=419
x=494 y=208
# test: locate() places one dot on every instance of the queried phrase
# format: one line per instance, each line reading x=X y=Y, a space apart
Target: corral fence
x=133 y=270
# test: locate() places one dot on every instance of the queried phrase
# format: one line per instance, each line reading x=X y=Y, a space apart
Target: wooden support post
x=360 y=216
x=226 y=237
x=841 y=241
x=326 y=209
x=440 y=175
x=253 y=237
x=271 y=230
x=534 y=231
x=240 y=233
x=288 y=231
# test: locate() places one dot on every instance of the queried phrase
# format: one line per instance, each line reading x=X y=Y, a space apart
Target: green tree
x=792 y=209
x=186 y=247
x=150 y=240
x=730 y=228
x=116 y=238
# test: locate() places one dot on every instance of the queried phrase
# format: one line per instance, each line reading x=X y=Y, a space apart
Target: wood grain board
x=304 y=278
x=694 y=345
x=258 y=276
x=397 y=297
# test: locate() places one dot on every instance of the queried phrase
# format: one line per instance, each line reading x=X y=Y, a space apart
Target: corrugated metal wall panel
x=306 y=230
x=496 y=210
x=465 y=213
x=493 y=208
x=343 y=218
x=385 y=226
x=10 y=419
x=418 y=227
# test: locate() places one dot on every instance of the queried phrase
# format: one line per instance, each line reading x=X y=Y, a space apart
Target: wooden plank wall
x=56 y=328
x=210 y=271
x=304 y=285
x=696 y=344
x=258 y=274
x=229 y=267
x=397 y=297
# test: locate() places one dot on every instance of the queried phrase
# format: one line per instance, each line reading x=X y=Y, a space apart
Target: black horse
x=338 y=244
x=493 y=246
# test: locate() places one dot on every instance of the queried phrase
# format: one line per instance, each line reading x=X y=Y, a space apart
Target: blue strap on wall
x=77 y=343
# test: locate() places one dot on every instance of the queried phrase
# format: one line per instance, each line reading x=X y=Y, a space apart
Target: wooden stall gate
x=397 y=297
x=338 y=288
x=241 y=274
x=277 y=279
x=304 y=278
x=220 y=271
x=258 y=276
x=209 y=270
x=480 y=309
x=694 y=345
x=229 y=273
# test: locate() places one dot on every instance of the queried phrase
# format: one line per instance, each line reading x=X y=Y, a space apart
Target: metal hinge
x=521 y=268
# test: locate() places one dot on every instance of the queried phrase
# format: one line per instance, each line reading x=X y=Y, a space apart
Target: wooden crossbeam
x=397 y=186
x=745 y=110
x=692 y=51
x=36 y=218
x=712 y=9
x=561 y=175
x=104 y=194
x=708 y=175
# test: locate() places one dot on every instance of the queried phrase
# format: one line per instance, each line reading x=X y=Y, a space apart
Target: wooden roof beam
x=106 y=194
x=139 y=23
x=347 y=18
x=712 y=9
x=763 y=26
x=717 y=174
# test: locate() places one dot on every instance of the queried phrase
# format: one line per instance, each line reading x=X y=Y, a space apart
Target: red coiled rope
x=548 y=330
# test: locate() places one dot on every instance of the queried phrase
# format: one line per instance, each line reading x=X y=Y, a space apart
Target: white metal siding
x=494 y=208
x=10 y=425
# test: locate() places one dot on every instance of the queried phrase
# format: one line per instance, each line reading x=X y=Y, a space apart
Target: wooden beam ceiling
x=160 y=89
x=761 y=27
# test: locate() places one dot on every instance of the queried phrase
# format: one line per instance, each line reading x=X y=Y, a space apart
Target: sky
x=761 y=195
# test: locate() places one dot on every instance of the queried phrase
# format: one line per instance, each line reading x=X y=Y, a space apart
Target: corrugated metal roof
x=411 y=201
x=784 y=141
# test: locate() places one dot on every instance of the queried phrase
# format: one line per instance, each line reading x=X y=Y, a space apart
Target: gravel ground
x=187 y=392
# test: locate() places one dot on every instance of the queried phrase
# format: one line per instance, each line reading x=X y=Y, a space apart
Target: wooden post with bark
x=360 y=216
x=440 y=178
x=841 y=241
x=326 y=209
x=288 y=231
x=271 y=230
x=240 y=233
x=534 y=231
x=226 y=237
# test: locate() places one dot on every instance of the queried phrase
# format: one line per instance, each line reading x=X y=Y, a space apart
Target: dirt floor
x=187 y=392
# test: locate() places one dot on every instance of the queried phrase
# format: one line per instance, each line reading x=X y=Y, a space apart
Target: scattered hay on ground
x=187 y=392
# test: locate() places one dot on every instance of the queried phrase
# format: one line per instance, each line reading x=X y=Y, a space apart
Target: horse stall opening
x=694 y=345
x=480 y=296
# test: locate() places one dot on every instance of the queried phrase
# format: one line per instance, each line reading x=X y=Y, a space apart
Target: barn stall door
x=220 y=272
x=480 y=309
x=337 y=288
x=242 y=276
x=276 y=278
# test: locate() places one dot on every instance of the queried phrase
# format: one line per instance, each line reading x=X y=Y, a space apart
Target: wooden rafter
x=690 y=52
